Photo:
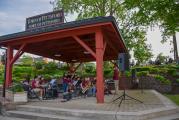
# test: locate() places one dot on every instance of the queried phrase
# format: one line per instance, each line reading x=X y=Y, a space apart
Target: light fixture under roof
x=58 y=55
x=74 y=60
x=86 y=52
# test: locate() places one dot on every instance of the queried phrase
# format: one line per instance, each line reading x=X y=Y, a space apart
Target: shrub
x=171 y=71
x=163 y=70
x=17 y=87
x=142 y=73
x=162 y=79
x=139 y=69
x=153 y=70
x=107 y=71
x=128 y=73
x=177 y=67
x=47 y=77
x=177 y=80
x=167 y=82
x=175 y=74
x=159 y=77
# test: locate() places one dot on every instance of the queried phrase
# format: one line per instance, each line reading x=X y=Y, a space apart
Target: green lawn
x=174 y=98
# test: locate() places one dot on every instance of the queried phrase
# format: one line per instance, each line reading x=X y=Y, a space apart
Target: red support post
x=104 y=48
x=9 y=66
x=99 y=66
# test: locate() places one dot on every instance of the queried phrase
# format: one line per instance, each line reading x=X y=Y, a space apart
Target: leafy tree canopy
x=93 y=8
x=156 y=12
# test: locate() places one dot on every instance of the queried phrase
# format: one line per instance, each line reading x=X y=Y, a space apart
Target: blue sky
x=14 y=12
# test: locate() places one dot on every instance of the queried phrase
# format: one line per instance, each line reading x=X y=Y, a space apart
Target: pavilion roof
x=56 y=39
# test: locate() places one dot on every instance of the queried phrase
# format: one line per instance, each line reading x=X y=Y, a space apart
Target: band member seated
x=69 y=94
x=107 y=91
x=65 y=83
x=52 y=88
x=85 y=86
x=92 y=88
x=36 y=86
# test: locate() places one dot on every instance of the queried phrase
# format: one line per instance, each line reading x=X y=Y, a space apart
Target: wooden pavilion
x=95 y=39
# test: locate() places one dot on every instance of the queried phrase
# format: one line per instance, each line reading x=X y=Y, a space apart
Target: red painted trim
x=84 y=45
x=61 y=33
x=18 y=54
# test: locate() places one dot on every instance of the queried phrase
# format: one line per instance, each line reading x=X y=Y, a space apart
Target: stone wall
x=148 y=82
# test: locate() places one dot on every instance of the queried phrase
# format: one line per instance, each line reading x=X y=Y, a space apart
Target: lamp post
x=4 y=62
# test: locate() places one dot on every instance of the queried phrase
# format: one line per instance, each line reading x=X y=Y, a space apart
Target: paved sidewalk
x=169 y=117
x=9 y=118
x=149 y=98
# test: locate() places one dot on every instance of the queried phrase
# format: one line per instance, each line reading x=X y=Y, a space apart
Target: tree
x=161 y=58
x=142 y=51
x=163 y=13
x=94 y=8
x=26 y=60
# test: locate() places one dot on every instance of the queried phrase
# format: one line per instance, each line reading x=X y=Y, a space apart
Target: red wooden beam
x=84 y=45
x=107 y=39
x=77 y=67
x=18 y=54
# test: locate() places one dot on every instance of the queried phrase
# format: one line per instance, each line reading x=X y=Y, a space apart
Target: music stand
x=124 y=95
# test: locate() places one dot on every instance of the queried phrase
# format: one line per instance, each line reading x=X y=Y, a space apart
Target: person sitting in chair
x=37 y=87
x=92 y=88
x=85 y=86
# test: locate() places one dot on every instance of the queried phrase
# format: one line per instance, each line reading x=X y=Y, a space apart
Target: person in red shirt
x=116 y=79
x=36 y=86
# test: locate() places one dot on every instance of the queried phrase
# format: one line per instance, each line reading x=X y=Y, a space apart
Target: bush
x=128 y=73
x=177 y=80
x=171 y=71
x=177 y=67
x=17 y=87
x=47 y=77
x=163 y=70
x=162 y=79
x=139 y=69
x=175 y=74
x=167 y=82
x=153 y=70
x=107 y=71
x=142 y=73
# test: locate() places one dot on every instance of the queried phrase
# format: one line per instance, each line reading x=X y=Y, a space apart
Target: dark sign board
x=44 y=20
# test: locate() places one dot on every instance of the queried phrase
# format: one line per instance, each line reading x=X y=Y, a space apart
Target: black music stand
x=124 y=95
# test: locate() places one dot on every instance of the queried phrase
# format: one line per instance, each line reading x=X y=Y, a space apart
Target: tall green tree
x=94 y=8
x=26 y=60
x=164 y=13
x=142 y=51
